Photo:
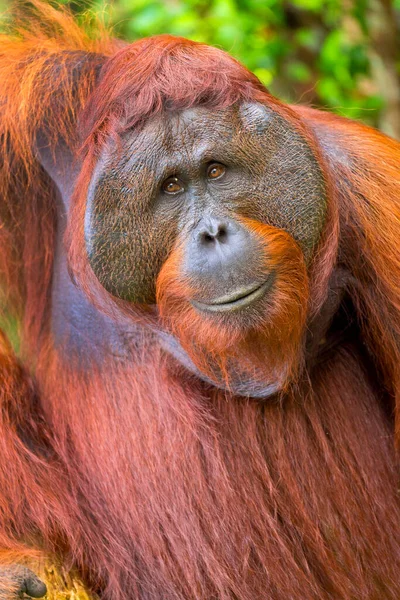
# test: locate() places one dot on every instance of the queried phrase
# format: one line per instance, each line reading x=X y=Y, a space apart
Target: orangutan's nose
x=213 y=231
x=219 y=245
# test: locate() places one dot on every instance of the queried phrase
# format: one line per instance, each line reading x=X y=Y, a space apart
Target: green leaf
x=264 y=75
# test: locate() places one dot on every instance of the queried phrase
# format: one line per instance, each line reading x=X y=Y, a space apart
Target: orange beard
x=255 y=351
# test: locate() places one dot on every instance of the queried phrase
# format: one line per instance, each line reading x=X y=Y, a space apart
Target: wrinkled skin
x=131 y=224
x=224 y=168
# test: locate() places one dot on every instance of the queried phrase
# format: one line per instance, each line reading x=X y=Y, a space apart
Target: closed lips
x=237 y=300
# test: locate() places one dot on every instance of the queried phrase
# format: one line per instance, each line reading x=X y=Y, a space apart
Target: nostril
x=222 y=233
x=212 y=232
x=208 y=238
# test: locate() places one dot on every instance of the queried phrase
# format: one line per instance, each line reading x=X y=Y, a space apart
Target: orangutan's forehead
x=196 y=135
x=199 y=122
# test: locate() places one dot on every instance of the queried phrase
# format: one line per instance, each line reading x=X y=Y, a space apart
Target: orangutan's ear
x=55 y=154
x=60 y=164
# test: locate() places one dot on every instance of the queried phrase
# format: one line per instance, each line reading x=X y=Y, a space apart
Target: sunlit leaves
x=316 y=51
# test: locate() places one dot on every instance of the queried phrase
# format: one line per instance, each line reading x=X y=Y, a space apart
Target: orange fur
x=153 y=483
x=254 y=345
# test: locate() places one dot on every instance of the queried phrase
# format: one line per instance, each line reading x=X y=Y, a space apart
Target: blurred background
x=341 y=55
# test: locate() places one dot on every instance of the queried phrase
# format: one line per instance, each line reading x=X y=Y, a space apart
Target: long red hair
x=269 y=346
x=155 y=484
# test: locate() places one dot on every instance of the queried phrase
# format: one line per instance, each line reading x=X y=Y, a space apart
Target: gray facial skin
x=270 y=175
x=131 y=223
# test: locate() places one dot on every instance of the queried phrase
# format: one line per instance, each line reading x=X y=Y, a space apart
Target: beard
x=254 y=351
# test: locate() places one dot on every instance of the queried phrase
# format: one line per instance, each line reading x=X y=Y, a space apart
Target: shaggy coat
x=152 y=483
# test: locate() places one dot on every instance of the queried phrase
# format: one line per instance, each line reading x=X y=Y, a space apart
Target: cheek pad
x=291 y=192
x=124 y=251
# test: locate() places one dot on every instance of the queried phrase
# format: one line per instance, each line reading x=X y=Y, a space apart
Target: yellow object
x=62 y=585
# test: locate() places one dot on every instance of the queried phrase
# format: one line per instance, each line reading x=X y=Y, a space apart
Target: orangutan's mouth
x=239 y=299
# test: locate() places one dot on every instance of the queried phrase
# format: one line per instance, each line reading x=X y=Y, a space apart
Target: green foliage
x=310 y=51
x=313 y=51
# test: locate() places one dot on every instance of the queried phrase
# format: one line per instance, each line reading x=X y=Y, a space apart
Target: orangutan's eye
x=172 y=185
x=215 y=171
